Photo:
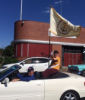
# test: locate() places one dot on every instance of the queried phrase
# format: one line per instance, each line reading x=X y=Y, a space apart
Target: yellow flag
x=59 y=26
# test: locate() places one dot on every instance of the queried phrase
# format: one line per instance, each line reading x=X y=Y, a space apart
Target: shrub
x=9 y=60
x=1 y=60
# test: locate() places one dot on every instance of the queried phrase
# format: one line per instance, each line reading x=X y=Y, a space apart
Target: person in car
x=54 y=67
x=55 y=61
x=28 y=77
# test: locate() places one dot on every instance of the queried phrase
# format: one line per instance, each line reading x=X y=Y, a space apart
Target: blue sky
x=36 y=10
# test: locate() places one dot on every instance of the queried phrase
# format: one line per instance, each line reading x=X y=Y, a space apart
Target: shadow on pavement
x=82 y=99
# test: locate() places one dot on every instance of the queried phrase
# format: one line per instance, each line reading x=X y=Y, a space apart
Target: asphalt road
x=82 y=99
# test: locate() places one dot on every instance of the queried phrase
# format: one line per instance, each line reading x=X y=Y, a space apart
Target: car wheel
x=83 y=72
x=70 y=95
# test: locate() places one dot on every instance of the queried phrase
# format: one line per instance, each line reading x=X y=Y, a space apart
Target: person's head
x=30 y=71
x=56 y=53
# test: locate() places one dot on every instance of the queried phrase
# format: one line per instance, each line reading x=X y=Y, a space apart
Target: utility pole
x=21 y=6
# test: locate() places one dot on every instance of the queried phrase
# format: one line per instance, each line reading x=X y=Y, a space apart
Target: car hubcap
x=69 y=96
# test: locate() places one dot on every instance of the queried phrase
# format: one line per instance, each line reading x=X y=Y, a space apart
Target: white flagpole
x=21 y=9
x=49 y=35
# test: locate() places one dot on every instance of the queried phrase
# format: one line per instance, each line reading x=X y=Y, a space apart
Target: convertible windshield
x=8 y=71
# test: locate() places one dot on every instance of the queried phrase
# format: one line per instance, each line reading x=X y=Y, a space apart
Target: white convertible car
x=62 y=86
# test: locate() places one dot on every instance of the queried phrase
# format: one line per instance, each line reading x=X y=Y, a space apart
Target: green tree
x=1 y=57
x=8 y=54
x=1 y=52
x=9 y=60
x=9 y=51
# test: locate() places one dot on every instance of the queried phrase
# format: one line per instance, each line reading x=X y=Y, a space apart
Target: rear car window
x=39 y=60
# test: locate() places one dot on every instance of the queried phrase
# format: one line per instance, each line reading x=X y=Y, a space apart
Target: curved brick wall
x=31 y=30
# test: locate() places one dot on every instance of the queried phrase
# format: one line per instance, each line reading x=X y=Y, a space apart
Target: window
x=39 y=60
x=28 y=61
x=36 y=60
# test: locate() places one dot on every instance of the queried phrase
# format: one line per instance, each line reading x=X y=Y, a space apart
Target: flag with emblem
x=59 y=26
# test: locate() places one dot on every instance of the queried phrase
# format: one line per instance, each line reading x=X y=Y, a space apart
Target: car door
x=32 y=90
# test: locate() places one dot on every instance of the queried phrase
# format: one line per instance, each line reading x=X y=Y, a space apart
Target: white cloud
x=58 y=2
x=47 y=10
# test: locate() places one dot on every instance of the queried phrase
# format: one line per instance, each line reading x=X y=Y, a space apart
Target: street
x=83 y=99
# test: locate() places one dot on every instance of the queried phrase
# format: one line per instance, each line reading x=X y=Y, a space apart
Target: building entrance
x=72 y=55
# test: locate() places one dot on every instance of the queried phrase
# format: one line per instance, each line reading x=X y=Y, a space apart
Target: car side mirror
x=5 y=81
x=50 y=61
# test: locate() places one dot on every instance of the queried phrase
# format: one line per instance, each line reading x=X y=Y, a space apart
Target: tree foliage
x=9 y=51
x=9 y=60
x=1 y=52
x=7 y=55
x=1 y=60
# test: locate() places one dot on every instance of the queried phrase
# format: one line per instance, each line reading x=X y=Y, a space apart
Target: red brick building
x=31 y=39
